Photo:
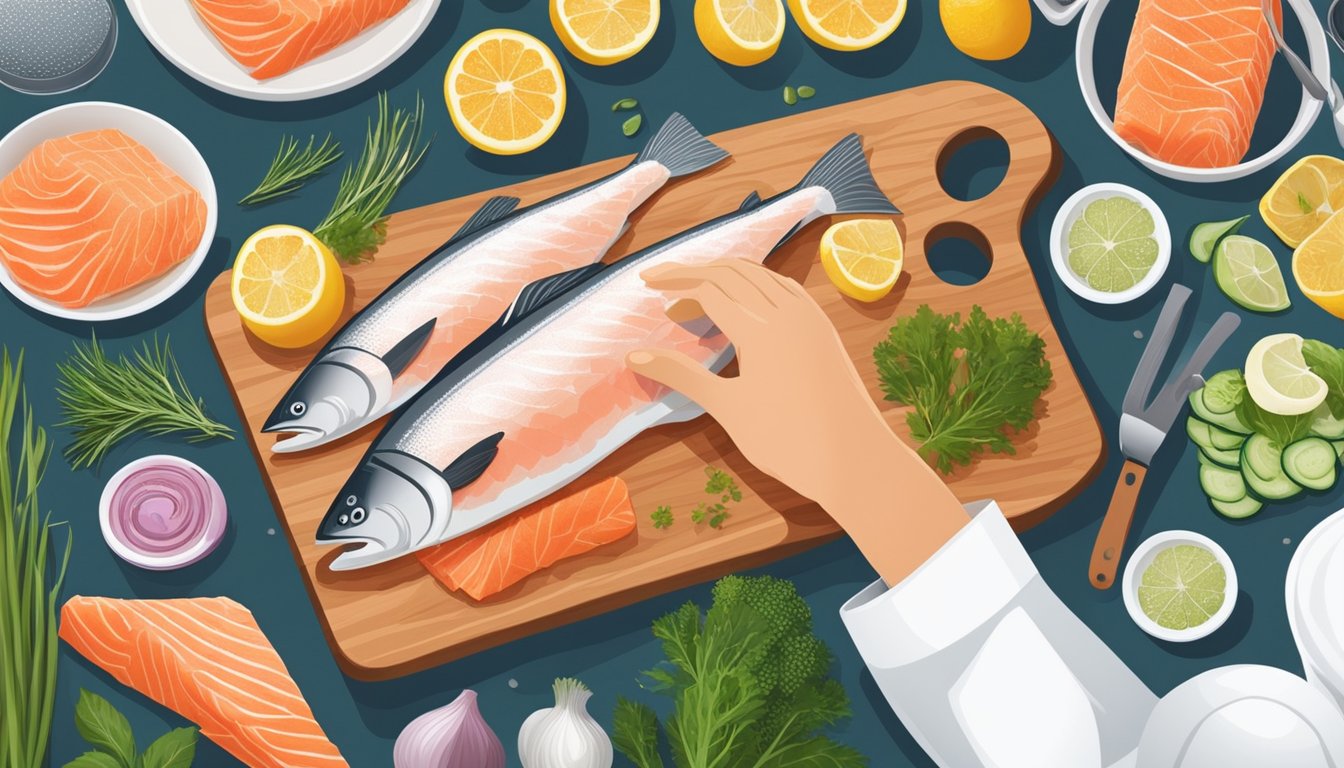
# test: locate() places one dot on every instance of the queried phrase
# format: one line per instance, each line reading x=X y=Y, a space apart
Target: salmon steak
x=495 y=558
x=1194 y=80
x=85 y=216
x=207 y=660
x=271 y=37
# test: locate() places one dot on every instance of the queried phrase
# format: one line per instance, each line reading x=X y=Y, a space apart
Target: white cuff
x=967 y=582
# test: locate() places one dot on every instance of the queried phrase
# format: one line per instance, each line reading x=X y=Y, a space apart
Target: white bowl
x=1059 y=242
x=169 y=145
x=199 y=549
x=1318 y=59
x=1143 y=557
x=175 y=30
x=1314 y=595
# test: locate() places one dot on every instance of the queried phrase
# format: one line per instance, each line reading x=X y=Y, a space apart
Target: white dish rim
x=1059 y=232
x=1130 y=587
x=199 y=550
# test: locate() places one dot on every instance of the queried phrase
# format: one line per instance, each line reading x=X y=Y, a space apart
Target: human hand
x=799 y=412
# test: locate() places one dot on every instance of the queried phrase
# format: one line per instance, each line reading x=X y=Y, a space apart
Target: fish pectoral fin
x=753 y=200
x=539 y=293
x=491 y=211
x=466 y=468
x=399 y=357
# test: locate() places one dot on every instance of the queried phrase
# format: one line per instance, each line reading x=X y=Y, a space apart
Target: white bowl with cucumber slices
x=1110 y=243
x=1179 y=586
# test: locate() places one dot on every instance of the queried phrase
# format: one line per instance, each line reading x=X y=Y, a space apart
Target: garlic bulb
x=455 y=736
x=565 y=736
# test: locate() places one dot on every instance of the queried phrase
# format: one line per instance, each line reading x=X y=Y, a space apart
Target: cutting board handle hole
x=973 y=163
x=958 y=253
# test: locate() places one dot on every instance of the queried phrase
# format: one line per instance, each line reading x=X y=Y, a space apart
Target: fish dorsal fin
x=403 y=352
x=473 y=462
x=753 y=200
x=541 y=292
x=491 y=211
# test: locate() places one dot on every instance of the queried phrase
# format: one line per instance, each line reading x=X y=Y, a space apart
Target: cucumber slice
x=1228 y=421
x=1326 y=425
x=1204 y=239
x=1222 y=484
x=1237 y=509
x=1224 y=440
x=1339 y=449
x=1201 y=434
x=1224 y=391
x=1310 y=462
x=1262 y=467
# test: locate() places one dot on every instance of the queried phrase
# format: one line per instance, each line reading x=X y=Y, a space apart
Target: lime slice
x=1278 y=378
x=1111 y=246
x=1246 y=270
x=1182 y=587
x=1206 y=236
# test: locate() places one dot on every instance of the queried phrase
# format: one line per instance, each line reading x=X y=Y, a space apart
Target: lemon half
x=505 y=92
x=604 y=32
x=287 y=287
x=863 y=257
x=740 y=32
x=848 y=25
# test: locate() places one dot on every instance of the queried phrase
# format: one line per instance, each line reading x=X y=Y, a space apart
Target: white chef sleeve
x=986 y=667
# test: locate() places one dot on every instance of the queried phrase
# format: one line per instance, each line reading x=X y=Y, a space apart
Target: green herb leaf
x=624 y=104
x=662 y=517
x=292 y=166
x=806 y=91
x=790 y=95
x=1281 y=429
x=1328 y=363
x=1304 y=204
x=631 y=127
x=174 y=749
x=355 y=226
x=106 y=401
x=94 y=760
x=105 y=728
x=635 y=733
x=1005 y=372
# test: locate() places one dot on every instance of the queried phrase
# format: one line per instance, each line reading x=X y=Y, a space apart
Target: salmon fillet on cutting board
x=272 y=37
x=91 y=214
x=1194 y=80
x=488 y=561
x=207 y=660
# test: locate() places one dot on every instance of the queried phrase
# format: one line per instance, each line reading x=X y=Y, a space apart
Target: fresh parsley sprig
x=292 y=166
x=109 y=733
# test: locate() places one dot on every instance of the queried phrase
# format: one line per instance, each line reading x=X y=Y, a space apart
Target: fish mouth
x=326 y=420
x=303 y=437
x=360 y=554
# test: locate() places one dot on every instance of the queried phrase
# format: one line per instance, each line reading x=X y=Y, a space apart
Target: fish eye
x=343 y=519
x=357 y=515
x=350 y=500
x=297 y=409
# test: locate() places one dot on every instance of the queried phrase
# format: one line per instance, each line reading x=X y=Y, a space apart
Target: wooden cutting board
x=394 y=619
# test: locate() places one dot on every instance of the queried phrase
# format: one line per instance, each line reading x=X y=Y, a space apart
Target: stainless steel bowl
x=54 y=46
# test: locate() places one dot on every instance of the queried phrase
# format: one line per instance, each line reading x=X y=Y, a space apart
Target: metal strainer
x=53 y=46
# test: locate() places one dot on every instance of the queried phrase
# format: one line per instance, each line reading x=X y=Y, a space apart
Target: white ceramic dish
x=1313 y=594
x=175 y=30
x=169 y=145
x=1059 y=242
x=1317 y=57
x=199 y=549
x=1143 y=557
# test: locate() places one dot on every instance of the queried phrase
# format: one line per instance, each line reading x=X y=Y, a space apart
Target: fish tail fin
x=680 y=148
x=844 y=172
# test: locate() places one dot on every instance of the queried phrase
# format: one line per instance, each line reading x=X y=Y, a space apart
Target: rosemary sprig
x=292 y=167
x=356 y=224
x=29 y=584
x=107 y=400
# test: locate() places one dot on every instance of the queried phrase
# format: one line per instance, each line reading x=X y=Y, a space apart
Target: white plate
x=169 y=145
x=1143 y=557
x=173 y=27
x=1059 y=242
x=1318 y=58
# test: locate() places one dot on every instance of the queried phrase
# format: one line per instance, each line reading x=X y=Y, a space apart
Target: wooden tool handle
x=1115 y=526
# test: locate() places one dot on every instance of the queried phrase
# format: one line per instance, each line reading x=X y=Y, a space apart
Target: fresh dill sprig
x=356 y=224
x=292 y=167
x=106 y=400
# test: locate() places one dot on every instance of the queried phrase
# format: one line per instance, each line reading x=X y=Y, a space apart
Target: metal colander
x=52 y=46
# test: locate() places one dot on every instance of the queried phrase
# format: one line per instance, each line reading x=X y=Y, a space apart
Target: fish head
x=340 y=392
x=393 y=504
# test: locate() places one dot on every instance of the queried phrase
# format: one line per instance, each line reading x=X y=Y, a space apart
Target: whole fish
x=393 y=347
x=548 y=394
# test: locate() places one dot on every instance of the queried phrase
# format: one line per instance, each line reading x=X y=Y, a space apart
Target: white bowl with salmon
x=1188 y=112
x=105 y=211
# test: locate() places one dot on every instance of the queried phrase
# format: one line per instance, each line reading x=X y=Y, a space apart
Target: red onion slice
x=163 y=512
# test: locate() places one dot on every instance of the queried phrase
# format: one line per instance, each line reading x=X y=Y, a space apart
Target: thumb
x=680 y=372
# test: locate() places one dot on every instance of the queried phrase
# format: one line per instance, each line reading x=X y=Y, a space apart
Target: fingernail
x=639 y=357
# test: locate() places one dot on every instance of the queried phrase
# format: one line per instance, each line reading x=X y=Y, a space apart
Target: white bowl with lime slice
x=1179 y=586
x=1110 y=243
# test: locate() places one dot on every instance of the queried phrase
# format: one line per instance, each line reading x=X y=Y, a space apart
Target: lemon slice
x=1245 y=269
x=1183 y=587
x=848 y=25
x=1304 y=197
x=287 y=287
x=863 y=257
x=740 y=32
x=604 y=32
x=1318 y=266
x=1278 y=378
x=505 y=92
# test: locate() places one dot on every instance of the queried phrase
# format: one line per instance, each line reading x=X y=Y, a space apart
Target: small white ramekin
x=1059 y=243
x=1143 y=557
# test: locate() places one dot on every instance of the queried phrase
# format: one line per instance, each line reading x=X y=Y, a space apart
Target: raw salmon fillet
x=1194 y=80
x=498 y=556
x=206 y=659
x=90 y=214
x=271 y=37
